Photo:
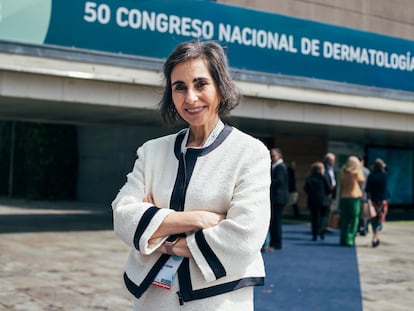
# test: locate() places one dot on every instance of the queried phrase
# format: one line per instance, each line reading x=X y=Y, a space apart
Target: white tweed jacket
x=230 y=176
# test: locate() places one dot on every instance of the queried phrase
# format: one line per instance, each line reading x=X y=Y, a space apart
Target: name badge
x=165 y=277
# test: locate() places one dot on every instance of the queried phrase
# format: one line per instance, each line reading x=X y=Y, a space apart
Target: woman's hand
x=185 y=221
x=180 y=248
x=208 y=219
x=203 y=219
x=148 y=199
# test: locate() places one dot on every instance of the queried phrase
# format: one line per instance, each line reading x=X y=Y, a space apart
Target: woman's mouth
x=194 y=110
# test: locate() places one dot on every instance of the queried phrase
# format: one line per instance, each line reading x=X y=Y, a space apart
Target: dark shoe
x=322 y=236
x=314 y=238
x=375 y=243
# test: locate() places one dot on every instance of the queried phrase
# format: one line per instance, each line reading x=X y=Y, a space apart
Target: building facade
x=292 y=60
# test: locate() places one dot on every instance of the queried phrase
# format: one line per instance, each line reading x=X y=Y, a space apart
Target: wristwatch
x=169 y=246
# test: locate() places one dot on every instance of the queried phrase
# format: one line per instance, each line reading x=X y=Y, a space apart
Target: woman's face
x=195 y=94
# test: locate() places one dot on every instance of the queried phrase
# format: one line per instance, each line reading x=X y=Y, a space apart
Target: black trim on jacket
x=186 y=292
x=143 y=224
x=208 y=253
x=136 y=290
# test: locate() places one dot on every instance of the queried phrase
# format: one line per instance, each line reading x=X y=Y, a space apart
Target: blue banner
x=254 y=40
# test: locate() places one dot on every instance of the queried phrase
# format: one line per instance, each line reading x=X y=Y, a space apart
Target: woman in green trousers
x=349 y=200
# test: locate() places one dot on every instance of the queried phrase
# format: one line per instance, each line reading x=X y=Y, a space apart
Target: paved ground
x=66 y=257
x=387 y=272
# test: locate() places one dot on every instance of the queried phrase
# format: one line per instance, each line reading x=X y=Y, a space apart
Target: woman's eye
x=179 y=87
x=201 y=84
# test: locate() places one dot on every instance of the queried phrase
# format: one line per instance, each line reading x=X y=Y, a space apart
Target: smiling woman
x=215 y=62
x=195 y=98
x=197 y=199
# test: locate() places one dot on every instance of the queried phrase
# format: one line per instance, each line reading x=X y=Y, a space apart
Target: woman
x=196 y=207
x=376 y=189
x=317 y=189
x=349 y=200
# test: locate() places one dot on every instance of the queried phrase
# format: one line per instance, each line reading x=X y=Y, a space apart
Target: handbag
x=372 y=211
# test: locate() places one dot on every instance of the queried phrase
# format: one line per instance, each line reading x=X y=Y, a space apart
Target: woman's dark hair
x=317 y=168
x=213 y=54
x=379 y=165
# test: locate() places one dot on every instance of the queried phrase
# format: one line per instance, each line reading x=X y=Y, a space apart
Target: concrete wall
x=394 y=18
x=106 y=155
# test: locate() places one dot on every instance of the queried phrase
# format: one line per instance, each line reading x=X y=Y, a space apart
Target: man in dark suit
x=329 y=163
x=279 y=195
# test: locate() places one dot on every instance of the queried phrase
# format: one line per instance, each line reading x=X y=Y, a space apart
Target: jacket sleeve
x=136 y=221
x=327 y=188
x=235 y=243
x=278 y=176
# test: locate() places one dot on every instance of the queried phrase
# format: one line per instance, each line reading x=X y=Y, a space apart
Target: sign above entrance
x=254 y=40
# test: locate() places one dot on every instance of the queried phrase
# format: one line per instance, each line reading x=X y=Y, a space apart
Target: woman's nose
x=191 y=96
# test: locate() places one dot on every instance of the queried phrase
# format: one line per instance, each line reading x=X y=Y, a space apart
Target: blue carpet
x=310 y=275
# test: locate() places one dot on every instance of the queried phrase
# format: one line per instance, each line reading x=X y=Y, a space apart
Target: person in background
x=317 y=190
x=349 y=200
x=330 y=174
x=279 y=195
x=293 y=193
x=363 y=220
x=198 y=199
x=377 y=193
